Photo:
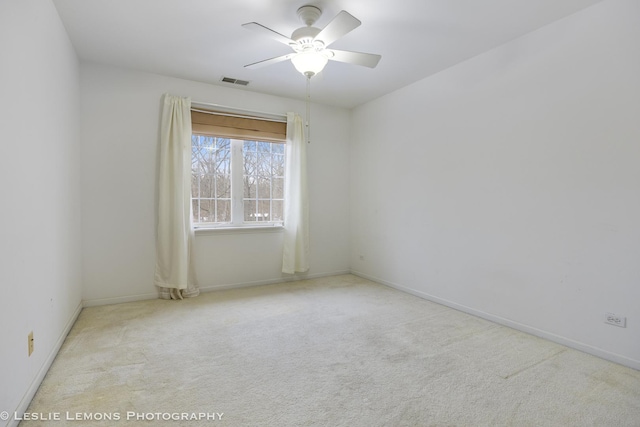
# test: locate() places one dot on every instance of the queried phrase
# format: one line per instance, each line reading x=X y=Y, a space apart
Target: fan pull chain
x=308 y=109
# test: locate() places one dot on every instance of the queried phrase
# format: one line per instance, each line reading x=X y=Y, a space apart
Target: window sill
x=249 y=229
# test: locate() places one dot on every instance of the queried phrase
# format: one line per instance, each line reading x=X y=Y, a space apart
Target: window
x=210 y=179
x=263 y=181
x=236 y=180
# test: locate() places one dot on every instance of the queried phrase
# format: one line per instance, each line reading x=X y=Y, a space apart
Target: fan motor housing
x=304 y=36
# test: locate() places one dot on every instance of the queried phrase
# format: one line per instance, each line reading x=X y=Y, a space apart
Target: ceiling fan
x=310 y=44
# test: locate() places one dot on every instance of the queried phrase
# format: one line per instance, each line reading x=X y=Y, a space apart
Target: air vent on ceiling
x=235 y=81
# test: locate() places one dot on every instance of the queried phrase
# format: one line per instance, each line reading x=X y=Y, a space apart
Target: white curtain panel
x=174 y=271
x=295 y=255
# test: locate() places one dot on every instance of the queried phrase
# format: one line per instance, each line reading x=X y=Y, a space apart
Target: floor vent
x=235 y=81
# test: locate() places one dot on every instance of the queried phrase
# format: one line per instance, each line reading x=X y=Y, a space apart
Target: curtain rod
x=240 y=112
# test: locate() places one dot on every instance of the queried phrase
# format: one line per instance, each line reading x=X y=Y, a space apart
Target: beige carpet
x=336 y=351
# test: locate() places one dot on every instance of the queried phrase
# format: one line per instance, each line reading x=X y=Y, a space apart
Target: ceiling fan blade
x=266 y=62
x=365 y=59
x=340 y=25
x=254 y=26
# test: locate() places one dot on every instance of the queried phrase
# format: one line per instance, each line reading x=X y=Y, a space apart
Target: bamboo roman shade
x=238 y=127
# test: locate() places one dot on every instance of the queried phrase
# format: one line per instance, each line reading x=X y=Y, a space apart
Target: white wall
x=119 y=128
x=509 y=185
x=39 y=174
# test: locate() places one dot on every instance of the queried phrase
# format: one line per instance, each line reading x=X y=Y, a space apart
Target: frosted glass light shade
x=309 y=63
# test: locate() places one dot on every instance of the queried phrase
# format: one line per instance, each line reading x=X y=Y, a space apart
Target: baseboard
x=595 y=351
x=35 y=384
x=118 y=300
x=288 y=278
x=141 y=297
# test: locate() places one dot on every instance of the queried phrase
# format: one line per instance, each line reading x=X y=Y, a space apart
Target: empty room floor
x=334 y=351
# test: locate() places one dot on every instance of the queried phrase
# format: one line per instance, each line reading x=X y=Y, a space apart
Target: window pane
x=250 y=162
x=224 y=165
x=223 y=144
x=198 y=159
x=264 y=210
x=264 y=147
x=207 y=210
x=224 y=211
x=277 y=165
x=264 y=164
x=223 y=186
x=208 y=141
x=249 y=146
x=249 y=187
x=194 y=210
x=250 y=210
x=277 y=188
x=221 y=166
x=194 y=158
x=201 y=140
x=277 y=210
x=194 y=186
x=202 y=153
x=264 y=180
x=223 y=156
x=264 y=188
x=207 y=186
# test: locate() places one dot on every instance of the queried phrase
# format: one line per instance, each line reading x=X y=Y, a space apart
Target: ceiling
x=203 y=40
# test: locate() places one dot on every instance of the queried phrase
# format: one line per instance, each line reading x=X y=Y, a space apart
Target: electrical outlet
x=30 y=342
x=614 y=319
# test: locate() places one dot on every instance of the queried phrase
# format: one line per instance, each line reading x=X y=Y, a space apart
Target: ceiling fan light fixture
x=309 y=63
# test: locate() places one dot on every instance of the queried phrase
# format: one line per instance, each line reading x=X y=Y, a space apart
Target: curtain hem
x=176 y=293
